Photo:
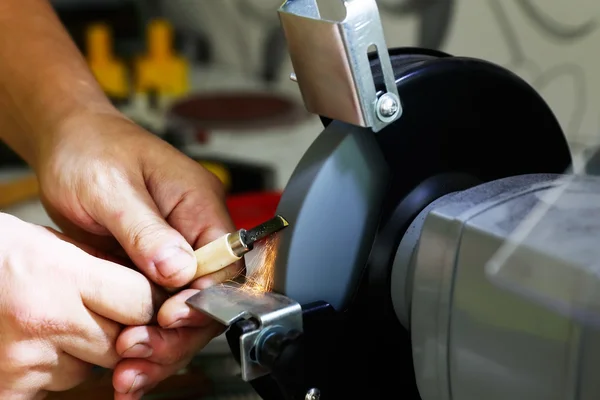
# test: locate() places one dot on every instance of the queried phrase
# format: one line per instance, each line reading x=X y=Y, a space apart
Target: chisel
x=231 y=247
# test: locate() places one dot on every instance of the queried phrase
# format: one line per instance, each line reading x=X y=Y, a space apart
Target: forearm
x=44 y=80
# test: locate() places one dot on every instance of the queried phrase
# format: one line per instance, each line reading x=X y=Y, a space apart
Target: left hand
x=108 y=183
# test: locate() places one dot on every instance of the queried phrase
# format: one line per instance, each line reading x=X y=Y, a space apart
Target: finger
x=106 y=245
x=172 y=350
x=167 y=346
x=93 y=341
x=210 y=221
x=214 y=223
x=223 y=275
x=102 y=240
x=112 y=291
x=193 y=201
x=175 y=313
x=133 y=378
x=200 y=214
x=154 y=246
x=202 y=217
x=93 y=251
x=131 y=396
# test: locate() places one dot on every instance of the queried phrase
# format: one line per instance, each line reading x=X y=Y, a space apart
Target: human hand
x=60 y=309
x=160 y=351
x=107 y=182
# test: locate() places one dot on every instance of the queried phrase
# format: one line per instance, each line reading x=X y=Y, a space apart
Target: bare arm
x=44 y=79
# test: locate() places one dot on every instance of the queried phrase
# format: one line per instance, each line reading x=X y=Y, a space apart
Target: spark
x=259 y=278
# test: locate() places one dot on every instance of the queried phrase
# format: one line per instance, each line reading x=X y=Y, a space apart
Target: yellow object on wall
x=18 y=190
x=161 y=70
x=220 y=171
x=109 y=71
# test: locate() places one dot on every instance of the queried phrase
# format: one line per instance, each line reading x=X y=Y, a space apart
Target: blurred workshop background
x=212 y=78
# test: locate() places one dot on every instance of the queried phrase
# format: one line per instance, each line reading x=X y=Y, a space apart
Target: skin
x=56 y=318
x=113 y=189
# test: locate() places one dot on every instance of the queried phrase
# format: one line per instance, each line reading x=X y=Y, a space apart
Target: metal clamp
x=230 y=303
x=331 y=63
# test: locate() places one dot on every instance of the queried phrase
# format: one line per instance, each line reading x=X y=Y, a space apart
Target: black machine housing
x=465 y=122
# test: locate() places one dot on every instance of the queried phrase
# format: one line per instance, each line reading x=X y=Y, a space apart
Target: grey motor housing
x=478 y=337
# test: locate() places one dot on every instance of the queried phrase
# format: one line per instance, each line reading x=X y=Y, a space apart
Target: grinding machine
x=440 y=245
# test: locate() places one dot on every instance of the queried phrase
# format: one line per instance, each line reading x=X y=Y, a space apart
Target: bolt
x=387 y=106
x=313 y=394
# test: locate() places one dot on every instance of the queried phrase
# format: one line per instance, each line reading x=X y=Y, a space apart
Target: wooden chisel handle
x=219 y=254
x=231 y=247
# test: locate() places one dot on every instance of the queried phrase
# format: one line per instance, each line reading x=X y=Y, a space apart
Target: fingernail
x=173 y=260
x=139 y=350
x=139 y=382
x=178 y=324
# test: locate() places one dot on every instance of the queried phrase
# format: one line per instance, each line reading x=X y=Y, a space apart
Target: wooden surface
x=192 y=385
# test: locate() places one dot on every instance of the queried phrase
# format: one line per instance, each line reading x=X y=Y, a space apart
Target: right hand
x=61 y=309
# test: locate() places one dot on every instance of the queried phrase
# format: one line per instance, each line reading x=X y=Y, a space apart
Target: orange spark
x=259 y=278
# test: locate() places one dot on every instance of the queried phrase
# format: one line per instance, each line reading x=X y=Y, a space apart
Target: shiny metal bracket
x=331 y=64
x=230 y=303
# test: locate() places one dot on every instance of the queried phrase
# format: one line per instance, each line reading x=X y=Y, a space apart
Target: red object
x=202 y=136
x=246 y=107
x=251 y=209
x=238 y=112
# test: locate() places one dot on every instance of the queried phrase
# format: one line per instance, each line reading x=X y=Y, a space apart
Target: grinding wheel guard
x=331 y=62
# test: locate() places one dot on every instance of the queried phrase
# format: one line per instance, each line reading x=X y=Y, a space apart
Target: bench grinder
x=407 y=270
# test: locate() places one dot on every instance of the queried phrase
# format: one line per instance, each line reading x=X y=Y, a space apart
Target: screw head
x=313 y=394
x=388 y=107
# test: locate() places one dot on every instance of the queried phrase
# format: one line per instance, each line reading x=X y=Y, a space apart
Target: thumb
x=157 y=249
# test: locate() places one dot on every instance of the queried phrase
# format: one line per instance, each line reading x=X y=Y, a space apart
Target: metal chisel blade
x=264 y=230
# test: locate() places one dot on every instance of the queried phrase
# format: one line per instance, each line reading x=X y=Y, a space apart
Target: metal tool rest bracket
x=331 y=62
x=300 y=363
x=267 y=312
